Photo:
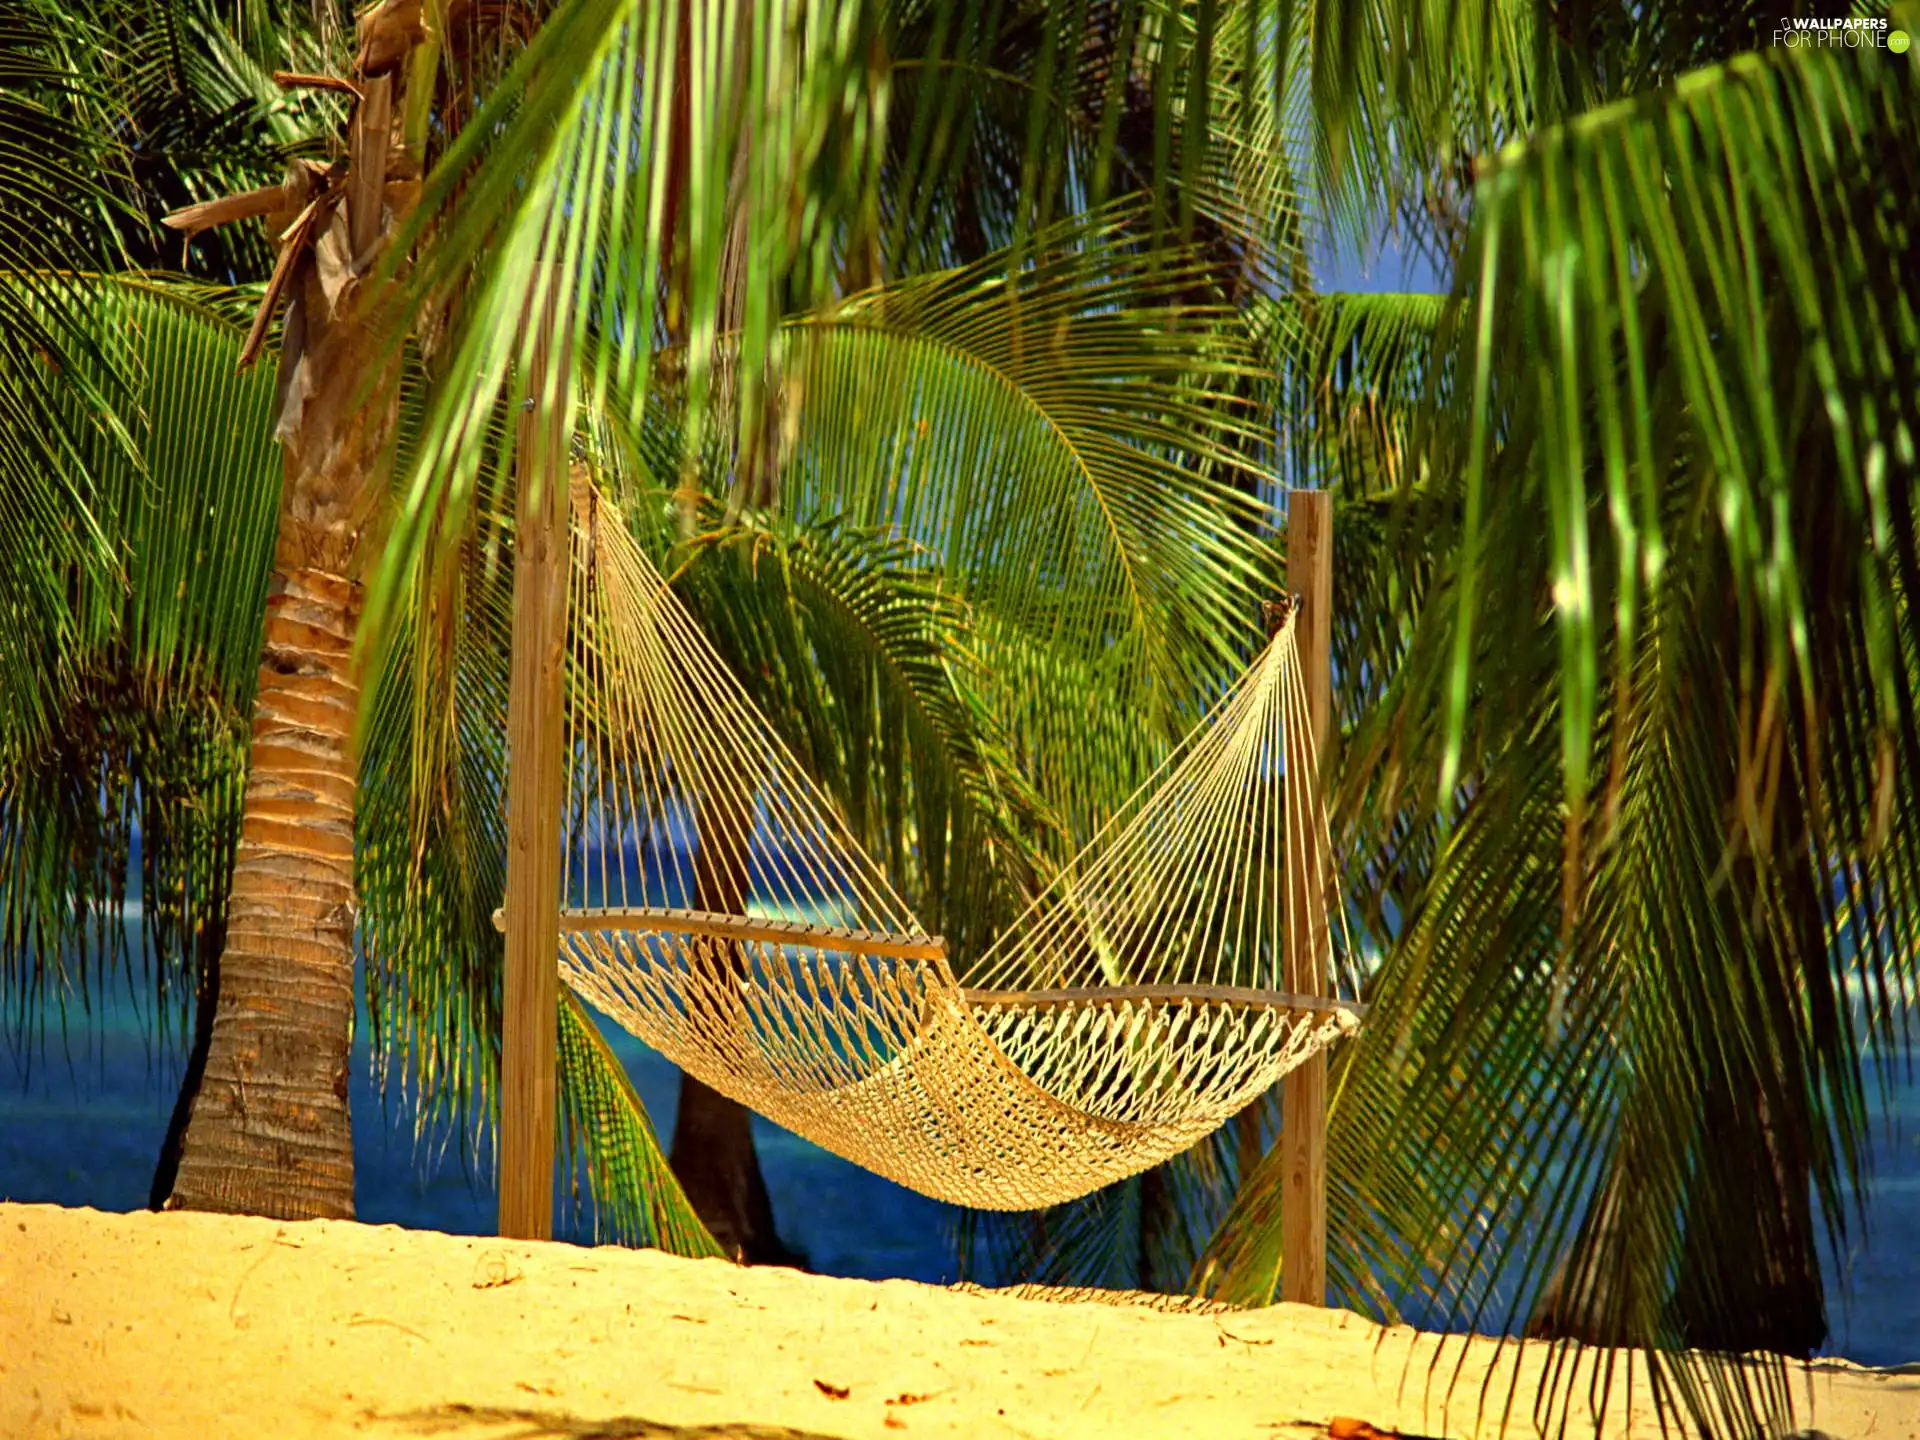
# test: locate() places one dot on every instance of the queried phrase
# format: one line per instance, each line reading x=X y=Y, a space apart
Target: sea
x=83 y=1112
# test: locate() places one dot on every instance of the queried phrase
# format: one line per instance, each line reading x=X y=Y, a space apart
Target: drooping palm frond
x=999 y=125
x=696 y=173
x=430 y=867
x=851 y=639
x=1354 y=371
x=1408 y=101
x=606 y=1135
x=1657 y=688
x=127 y=713
x=60 y=376
x=1065 y=440
x=1678 y=325
x=1071 y=447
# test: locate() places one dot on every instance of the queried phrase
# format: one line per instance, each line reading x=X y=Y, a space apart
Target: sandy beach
x=190 y=1327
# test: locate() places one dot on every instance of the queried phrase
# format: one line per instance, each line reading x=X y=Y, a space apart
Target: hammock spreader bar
x=829 y=939
x=647 y=919
x=1240 y=995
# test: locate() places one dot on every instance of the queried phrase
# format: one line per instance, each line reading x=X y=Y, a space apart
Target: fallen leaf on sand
x=1346 y=1427
x=1226 y=1335
x=832 y=1392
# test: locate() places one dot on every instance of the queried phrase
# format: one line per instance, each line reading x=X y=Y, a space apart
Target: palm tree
x=136 y=647
x=1668 y=810
x=131 y=740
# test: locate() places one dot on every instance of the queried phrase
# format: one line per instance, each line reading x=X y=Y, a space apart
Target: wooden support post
x=1303 y=1137
x=536 y=779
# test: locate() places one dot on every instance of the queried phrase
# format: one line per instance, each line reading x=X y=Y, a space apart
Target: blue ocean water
x=82 y=1120
x=82 y=1117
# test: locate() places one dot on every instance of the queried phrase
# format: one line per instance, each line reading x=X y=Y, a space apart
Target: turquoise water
x=87 y=1133
x=1874 y=1309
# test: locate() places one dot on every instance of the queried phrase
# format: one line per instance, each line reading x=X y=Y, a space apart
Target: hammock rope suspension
x=717 y=907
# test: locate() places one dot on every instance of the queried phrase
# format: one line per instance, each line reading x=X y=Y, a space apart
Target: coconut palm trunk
x=713 y=1155
x=712 y=1152
x=267 y=1129
x=714 y=1160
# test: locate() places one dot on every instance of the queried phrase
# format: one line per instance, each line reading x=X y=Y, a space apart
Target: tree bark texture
x=718 y=1168
x=268 y=1132
x=267 y=1129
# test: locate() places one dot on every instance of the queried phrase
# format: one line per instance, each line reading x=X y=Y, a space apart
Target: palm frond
x=605 y=1134
x=849 y=637
x=129 y=695
x=430 y=867
x=1640 y=781
x=995 y=130
x=186 y=88
x=700 y=173
x=1355 y=370
x=1409 y=101
x=61 y=377
x=1071 y=446
x=1065 y=439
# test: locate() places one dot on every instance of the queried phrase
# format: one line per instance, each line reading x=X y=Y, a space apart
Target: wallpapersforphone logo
x=1849 y=34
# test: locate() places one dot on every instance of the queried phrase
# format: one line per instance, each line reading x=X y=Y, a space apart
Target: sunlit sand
x=195 y=1326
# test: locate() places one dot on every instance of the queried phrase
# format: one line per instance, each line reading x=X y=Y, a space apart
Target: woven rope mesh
x=718 y=908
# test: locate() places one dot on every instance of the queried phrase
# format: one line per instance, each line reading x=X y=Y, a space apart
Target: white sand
x=191 y=1327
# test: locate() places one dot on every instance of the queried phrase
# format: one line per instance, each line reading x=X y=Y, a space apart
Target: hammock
x=717 y=907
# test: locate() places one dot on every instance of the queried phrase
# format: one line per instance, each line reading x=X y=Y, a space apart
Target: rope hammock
x=716 y=906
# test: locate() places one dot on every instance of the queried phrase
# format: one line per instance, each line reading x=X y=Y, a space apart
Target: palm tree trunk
x=713 y=1155
x=1757 y=1246
x=268 y=1131
x=1749 y=1276
x=715 y=1161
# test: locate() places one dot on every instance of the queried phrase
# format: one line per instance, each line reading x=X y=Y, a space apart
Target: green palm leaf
x=1066 y=440
x=1071 y=447
x=1639 y=780
x=851 y=639
x=131 y=718
x=129 y=693
x=746 y=177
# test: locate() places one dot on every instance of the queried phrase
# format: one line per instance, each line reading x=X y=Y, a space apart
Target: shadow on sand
x=512 y=1424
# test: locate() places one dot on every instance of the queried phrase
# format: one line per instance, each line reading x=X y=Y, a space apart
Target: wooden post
x=529 y=1020
x=1303 y=1136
